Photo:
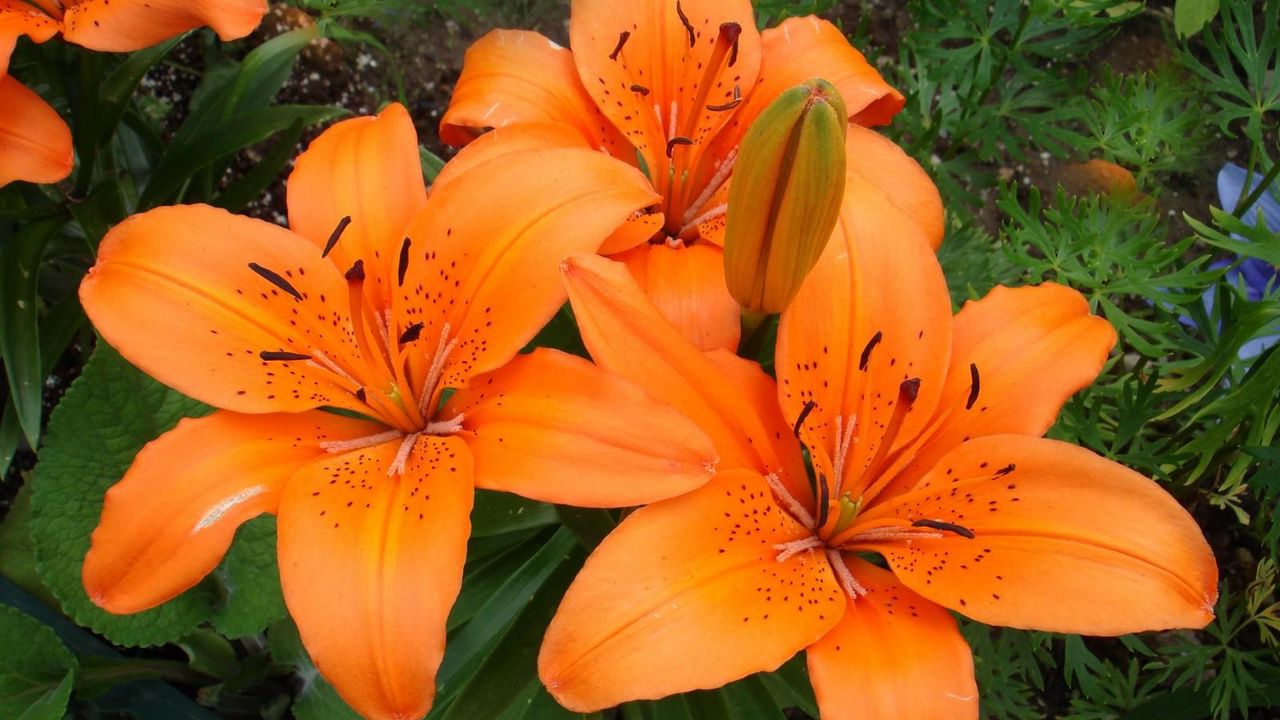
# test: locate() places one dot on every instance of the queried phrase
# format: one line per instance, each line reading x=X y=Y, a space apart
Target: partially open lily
x=35 y=143
x=377 y=300
x=924 y=436
x=671 y=86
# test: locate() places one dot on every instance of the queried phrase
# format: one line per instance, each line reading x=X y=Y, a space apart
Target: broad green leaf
x=1190 y=16
x=495 y=513
x=20 y=256
x=254 y=183
x=251 y=579
x=317 y=700
x=432 y=164
x=17 y=553
x=36 y=670
x=108 y=414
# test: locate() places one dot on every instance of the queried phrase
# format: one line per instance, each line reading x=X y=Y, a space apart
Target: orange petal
x=507 y=140
x=654 y=76
x=873 y=314
x=493 y=275
x=687 y=286
x=730 y=399
x=128 y=25
x=170 y=520
x=1031 y=348
x=688 y=594
x=19 y=18
x=367 y=169
x=513 y=77
x=174 y=292
x=35 y=144
x=804 y=48
x=370 y=566
x=1063 y=541
x=884 y=166
x=554 y=427
x=893 y=655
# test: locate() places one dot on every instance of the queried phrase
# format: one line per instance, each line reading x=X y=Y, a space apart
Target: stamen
x=844 y=440
x=711 y=214
x=275 y=279
x=852 y=587
x=642 y=90
x=443 y=349
x=404 y=262
x=677 y=141
x=333 y=237
x=974 y=386
x=411 y=333
x=908 y=390
x=788 y=501
x=402 y=455
x=622 y=40
x=688 y=26
x=824 y=501
x=341 y=446
x=886 y=534
x=804 y=414
x=866 y=351
x=280 y=356
x=737 y=93
x=788 y=550
x=722 y=174
x=356 y=273
x=444 y=427
x=960 y=530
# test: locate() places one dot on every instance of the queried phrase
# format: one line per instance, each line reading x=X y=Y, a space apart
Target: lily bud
x=788 y=183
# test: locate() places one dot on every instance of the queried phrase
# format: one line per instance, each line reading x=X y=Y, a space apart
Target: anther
x=274 y=356
x=404 y=262
x=804 y=414
x=335 y=235
x=688 y=26
x=356 y=273
x=960 y=530
x=1006 y=470
x=275 y=279
x=361 y=395
x=678 y=140
x=824 y=501
x=866 y=351
x=735 y=102
x=411 y=333
x=622 y=40
x=640 y=89
x=974 y=386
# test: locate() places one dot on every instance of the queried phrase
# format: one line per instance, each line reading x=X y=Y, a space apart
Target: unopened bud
x=785 y=196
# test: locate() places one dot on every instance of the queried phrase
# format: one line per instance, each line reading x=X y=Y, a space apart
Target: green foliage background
x=1002 y=95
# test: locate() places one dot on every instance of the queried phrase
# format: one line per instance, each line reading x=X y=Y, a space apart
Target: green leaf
x=36 y=671
x=17 y=553
x=251 y=578
x=1190 y=16
x=108 y=414
x=317 y=700
x=431 y=164
x=19 y=311
x=495 y=513
x=254 y=183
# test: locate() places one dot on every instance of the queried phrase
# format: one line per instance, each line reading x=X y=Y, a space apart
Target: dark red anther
x=960 y=530
x=688 y=26
x=866 y=351
x=622 y=40
x=333 y=237
x=974 y=386
x=277 y=356
x=275 y=279
x=671 y=144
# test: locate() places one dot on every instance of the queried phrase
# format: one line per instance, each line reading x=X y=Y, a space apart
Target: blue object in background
x=1254 y=276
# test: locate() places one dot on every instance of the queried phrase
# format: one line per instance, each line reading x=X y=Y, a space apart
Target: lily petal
x=647 y=83
x=1063 y=541
x=35 y=143
x=170 y=520
x=688 y=594
x=371 y=565
x=19 y=18
x=872 y=315
x=512 y=77
x=487 y=247
x=687 y=286
x=174 y=291
x=893 y=655
x=366 y=169
x=1017 y=355
x=507 y=140
x=886 y=167
x=554 y=427
x=627 y=335
x=128 y=25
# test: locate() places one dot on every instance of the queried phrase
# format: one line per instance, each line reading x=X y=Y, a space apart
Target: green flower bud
x=785 y=196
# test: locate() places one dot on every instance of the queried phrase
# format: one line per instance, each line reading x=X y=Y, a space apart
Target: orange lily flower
x=671 y=86
x=35 y=143
x=374 y=301
x=924 y=432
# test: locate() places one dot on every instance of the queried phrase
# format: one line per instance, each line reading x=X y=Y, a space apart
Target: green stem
x=1248 y=201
